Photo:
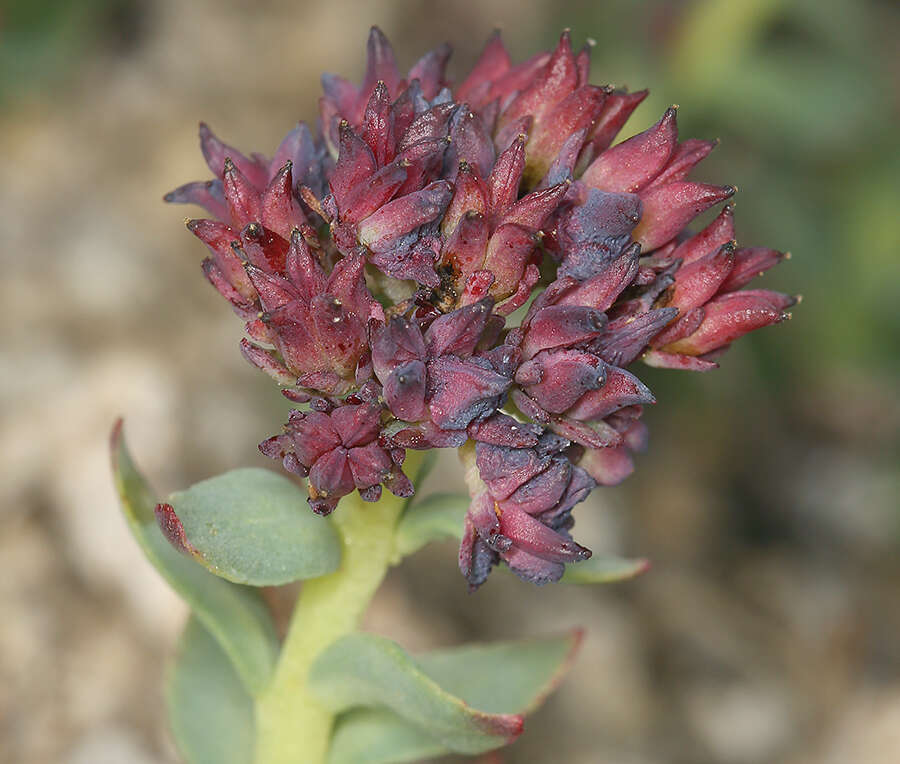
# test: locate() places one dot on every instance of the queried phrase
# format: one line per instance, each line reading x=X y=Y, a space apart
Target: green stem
x=291 y=727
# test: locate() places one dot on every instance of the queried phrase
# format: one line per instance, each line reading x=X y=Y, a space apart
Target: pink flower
x=377 y=262
x=437 y=379
x=339 y=449
x=522 y=513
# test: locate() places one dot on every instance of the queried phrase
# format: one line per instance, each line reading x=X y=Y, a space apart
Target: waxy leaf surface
x=604 y=570
x=253 y=526
x=210 y=711
x=503 y=678
x=234 y=615
x=436 y=517
x=367 y=670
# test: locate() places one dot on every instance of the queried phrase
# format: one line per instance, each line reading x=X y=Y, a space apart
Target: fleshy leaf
x=253 y=526
x=436 y=517
x=234 y=615
x=505 y=677
x=379 y=736
x=210 y=711
x=604 y=570
x=367 y=670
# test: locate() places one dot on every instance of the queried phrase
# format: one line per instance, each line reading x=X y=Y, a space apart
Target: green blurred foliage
x=43 y=42
x=804 y=96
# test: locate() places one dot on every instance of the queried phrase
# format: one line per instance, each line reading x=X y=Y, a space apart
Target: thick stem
x=291 y=727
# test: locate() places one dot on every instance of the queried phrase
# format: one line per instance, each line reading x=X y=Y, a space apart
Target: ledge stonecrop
x=474 y=265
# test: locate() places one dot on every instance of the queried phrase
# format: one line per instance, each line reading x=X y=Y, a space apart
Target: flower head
x=377 y=262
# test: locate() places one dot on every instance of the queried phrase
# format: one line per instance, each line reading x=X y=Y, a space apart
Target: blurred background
x=768 y=629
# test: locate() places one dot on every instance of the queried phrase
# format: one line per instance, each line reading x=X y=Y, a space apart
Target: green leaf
x=603 y=570
x=366 y=670
x=210 y=712
x=438 y=516
x=253 y=526
x=234 y=615
x=502 y=678
x=422 y=471
x=379 y=736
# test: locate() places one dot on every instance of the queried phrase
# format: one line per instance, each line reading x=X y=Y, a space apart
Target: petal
x=377 y=127
x=312 y=435
x=347 y=283
x=380 y=63
x=502 y=430
x=607 y=281
x=551 y=85
x=492 y=63
x=560 y=326
x=355 y=164
x=543 y=491
x=748 y=264
x=397 y=342
x=369 y=465
x=685 y=157
x=533 y=569
x=463 y=252
x=575 y=114
x=475 y=557
x=532 y=536
x=505 y=469
x=720 y=231
x=330 y=476
x=303 y=269
x=458 y=332
x=627 y=337
x=617 y=108
x=621 y=389
x=429 y=70
x=608 y=466
x=358 y=424
x=241 y=196
x=729 y=317
x=470 y=142
x=667 y=209
x=698 y=281
x=339 y=334
x=557 y=379
x=208 y=194
x=460 y=391
x=404 y=215
x=404 y=391
x=632 y=164
x=280 y=210
x=503 y=182
x=215 y=152
x=470 y=194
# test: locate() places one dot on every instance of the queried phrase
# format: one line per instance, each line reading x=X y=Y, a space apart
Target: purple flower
x=434 y=382
x=339 y=449
x=377 y=262
x=521 y=511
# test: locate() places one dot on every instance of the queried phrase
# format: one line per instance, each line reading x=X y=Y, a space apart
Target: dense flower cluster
x=380 y=263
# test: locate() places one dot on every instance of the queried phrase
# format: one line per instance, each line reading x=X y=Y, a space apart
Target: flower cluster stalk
x=291 y=725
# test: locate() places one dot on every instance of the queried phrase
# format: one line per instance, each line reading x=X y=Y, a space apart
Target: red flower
x=340 y=451
x=454 y=205
x=521 y=514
